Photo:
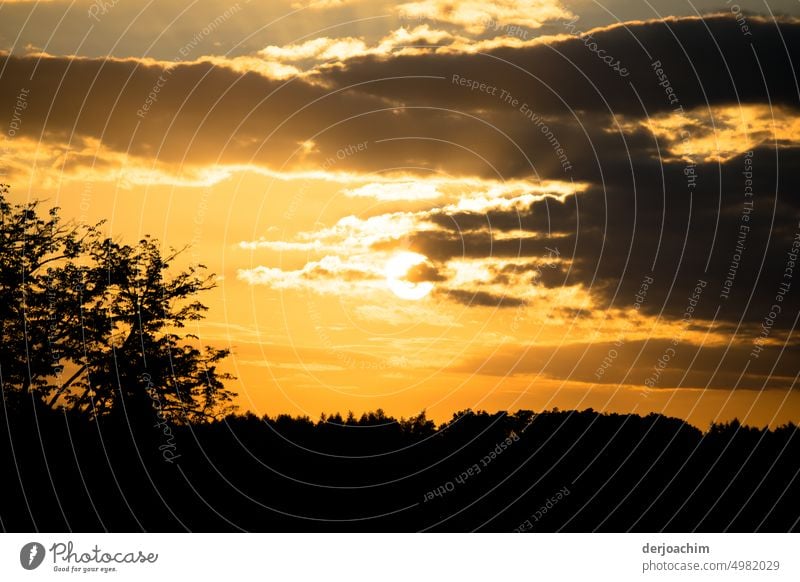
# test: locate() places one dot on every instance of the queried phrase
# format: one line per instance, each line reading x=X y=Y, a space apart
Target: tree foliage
x=95 y=326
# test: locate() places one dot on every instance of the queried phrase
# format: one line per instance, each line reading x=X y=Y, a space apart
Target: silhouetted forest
x=570 y=471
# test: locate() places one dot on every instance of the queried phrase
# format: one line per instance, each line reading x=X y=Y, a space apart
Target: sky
x=439 y=205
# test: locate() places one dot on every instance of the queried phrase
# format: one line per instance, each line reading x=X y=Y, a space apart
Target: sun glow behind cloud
x=351 y=256
x=396 y=270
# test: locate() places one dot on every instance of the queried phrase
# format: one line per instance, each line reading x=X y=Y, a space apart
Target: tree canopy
x=94 y=326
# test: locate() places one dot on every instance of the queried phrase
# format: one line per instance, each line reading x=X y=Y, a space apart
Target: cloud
x=331 y=274
x=250 y=110
x=366 y=246
x=705 y=61
x=732 y=224
x=722 y=133
x=484 y=299
x=658 y=363
x=475 y=16
x=51 y=163
x=398 y=191
x=630 y=205
x=320 y=49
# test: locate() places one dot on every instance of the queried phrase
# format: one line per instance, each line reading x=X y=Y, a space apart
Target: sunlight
x=396 y=269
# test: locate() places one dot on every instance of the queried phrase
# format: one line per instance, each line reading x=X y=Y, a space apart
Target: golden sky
x=441 y=205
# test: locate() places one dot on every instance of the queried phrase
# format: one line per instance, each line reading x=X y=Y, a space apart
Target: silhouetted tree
x=419 y=425
x=94 y=326
x=37 y=266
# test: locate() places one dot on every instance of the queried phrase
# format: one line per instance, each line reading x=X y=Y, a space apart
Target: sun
x=397 y=268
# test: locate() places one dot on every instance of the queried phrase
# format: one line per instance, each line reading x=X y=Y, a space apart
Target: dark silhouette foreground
x=570 y=471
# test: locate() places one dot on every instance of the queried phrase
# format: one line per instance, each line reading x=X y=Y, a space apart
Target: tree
x=34 y=320
x=419 y=425
x=95 y=326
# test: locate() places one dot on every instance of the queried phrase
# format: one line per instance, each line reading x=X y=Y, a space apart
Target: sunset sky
x=442 y=205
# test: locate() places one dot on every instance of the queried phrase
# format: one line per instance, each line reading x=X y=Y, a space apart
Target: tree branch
x=67 y=384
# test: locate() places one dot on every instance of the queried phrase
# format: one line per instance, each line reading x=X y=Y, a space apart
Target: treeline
x=548 y=471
